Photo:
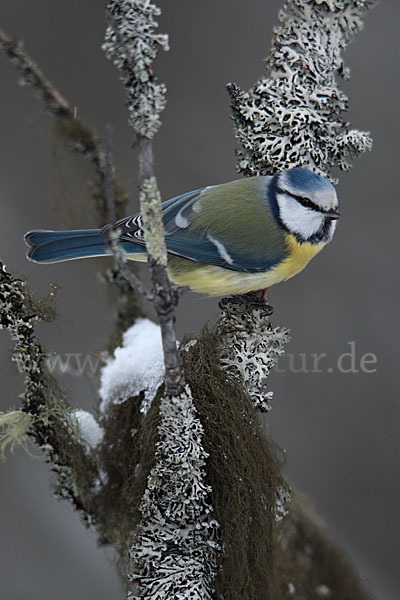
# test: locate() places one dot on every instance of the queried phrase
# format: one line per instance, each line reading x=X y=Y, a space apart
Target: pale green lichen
x=150 y=204
x=14 y=427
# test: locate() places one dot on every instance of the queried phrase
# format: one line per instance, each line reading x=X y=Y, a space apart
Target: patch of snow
x=292 y=589
x=91 y=432
x=137 y=365
x=189 y=344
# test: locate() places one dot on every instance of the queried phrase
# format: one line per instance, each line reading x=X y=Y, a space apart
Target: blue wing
x=229 y=248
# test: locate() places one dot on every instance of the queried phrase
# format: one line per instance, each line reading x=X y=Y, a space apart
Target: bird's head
x=306 y=205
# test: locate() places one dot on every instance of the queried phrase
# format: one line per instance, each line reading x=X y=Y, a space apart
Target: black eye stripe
x=307 y=203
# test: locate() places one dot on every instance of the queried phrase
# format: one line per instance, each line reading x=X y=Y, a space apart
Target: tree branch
x=50 y=424
x=294 y=116
x=131 y=43
x=33 y=76
x=265 y=538
x=115 y=246
x=84 y=141
x=78 y=135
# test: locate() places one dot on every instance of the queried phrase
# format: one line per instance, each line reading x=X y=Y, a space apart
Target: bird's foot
x=263 y=293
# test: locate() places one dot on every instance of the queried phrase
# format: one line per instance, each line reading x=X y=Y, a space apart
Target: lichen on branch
x=250 y=347
x=14 y=428
x=294 y=116
x=132 y=43
x=150 y=201
x=177 y=540
x=49 y=418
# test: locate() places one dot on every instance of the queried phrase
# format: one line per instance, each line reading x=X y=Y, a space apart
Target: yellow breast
x=217 y=281
x=299 y=257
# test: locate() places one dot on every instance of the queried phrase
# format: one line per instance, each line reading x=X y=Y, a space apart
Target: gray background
x=339 y=429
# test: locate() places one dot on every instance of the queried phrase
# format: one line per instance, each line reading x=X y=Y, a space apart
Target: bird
x=234 y=238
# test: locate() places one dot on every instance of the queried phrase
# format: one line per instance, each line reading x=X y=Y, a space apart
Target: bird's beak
x=332 y=214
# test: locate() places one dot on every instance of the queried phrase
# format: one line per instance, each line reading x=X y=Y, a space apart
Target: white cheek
x=297 y=218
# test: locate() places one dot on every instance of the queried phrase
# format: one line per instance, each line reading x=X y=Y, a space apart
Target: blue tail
x=56 y=246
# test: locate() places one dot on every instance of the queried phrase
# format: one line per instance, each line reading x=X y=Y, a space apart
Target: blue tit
x=233 y=238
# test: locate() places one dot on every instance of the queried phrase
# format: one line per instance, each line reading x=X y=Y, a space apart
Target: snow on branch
x=137 y=366
x=90 y=432
x=294 y=115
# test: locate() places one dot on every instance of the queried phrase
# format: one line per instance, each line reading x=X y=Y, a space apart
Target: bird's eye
x=307 y=202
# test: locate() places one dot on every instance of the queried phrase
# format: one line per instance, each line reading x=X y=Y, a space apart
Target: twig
x=43 y=400
x=79 y=136
x=109 y=191
x=86 y=142
x=165 y=296
x=131 y=42
x=120 y=258
x=32 y=75
x=113 y=233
